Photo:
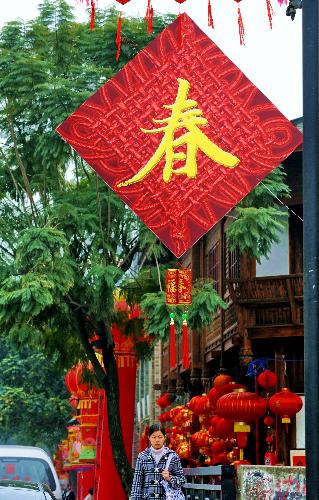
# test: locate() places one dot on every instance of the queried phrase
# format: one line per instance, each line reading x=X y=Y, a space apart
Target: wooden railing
x=269 y=300
x=267 y=289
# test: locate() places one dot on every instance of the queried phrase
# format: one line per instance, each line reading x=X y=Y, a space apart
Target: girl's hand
x=166 y=475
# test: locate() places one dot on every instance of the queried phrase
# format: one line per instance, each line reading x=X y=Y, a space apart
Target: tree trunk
x=108 y=378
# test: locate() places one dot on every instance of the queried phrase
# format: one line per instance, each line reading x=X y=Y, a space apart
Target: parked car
x=16 y=490
x=29 y=465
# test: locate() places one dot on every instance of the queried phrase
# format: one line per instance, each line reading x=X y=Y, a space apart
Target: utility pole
x=311 y=239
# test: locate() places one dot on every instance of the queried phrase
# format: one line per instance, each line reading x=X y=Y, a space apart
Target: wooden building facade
x=264 y=318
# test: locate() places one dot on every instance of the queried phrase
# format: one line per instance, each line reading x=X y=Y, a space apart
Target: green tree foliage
x=65 y=239
x=32 y=396
x=259 y=218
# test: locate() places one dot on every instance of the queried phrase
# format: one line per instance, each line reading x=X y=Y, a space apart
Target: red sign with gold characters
x=178 y=287
x=180 y=134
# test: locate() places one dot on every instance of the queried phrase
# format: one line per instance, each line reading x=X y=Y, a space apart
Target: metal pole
x=311 y=240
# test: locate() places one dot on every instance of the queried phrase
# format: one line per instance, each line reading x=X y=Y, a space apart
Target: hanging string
x=119 y=37
x=261 y=182
x=210 y=15
x=149 y=17
x=270 y=11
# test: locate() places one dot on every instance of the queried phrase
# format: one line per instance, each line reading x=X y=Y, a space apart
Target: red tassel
x=119 y=37
x=185 y=357
x=149 y=17
x=92 y=15
x=270 y=11
x=172 y=344
x=241 y=28
x=210 y=15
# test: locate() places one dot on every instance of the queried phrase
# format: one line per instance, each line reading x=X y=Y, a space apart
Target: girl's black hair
x=156 y=428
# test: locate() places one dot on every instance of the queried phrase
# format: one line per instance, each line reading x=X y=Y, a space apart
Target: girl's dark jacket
x=148 y=477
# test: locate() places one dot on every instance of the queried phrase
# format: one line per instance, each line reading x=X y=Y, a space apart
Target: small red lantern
x=222 y=379
x=285 y=404
x=123 y=2
x=200 y=405
x=267 y=379
x=241 y=406
x=180 y=1
x=224 y=428
x=218 y=446
x=268 y=420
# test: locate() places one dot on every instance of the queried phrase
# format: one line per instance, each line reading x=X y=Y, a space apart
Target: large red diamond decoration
x=180 y=134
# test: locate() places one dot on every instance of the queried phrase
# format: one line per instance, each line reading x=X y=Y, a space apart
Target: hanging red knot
x=185 y=356
x=210 y=15
x=149 y=17
x=172 y=342
x=92 y=15
x=270 y=11
x=119 y=37
x=240 y=26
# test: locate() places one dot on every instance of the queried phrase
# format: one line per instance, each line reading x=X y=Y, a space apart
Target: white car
x=29 y=464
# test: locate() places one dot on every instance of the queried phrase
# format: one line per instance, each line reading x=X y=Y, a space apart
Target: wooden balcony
x=270 y=306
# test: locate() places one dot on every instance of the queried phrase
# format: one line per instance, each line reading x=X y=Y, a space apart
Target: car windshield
x=26 y=469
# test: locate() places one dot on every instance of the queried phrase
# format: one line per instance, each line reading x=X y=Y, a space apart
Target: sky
x=271 y=58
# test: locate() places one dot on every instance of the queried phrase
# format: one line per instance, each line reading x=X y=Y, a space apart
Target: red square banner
x=180 y=134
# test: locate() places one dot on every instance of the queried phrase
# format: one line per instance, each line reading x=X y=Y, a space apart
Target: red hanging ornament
x=172 y=342
x=123 y=2
x=270 y=12
x=210 y=15
x=171 y=287
x=240 y=25
x=185 y=355
x=119 y=37
x=92 y=2
x=92 y=15
x=180 y=1
x=268 y=420
x=241 y=406
x=267 y=379
x=285 y=404
x=149 y=16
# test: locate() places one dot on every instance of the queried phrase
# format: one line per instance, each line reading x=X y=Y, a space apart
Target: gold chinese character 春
x=184 y=115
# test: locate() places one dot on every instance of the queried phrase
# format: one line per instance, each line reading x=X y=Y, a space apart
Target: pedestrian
x=89 y=496
x=68 y=494
x=151 y=468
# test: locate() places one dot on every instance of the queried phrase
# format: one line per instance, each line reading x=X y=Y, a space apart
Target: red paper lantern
x=75 y=385
x=180 y=1
x=241 y=406
x=218 y=446
x=267 y=379
x=224 y=428
x=123 y=2
x=285 y=404
x=200 y=405
x=222 y=379
x=241 y=439
x=268 y=421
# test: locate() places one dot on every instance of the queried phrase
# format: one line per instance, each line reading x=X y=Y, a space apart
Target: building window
x=213 y=265
x=232 y=263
